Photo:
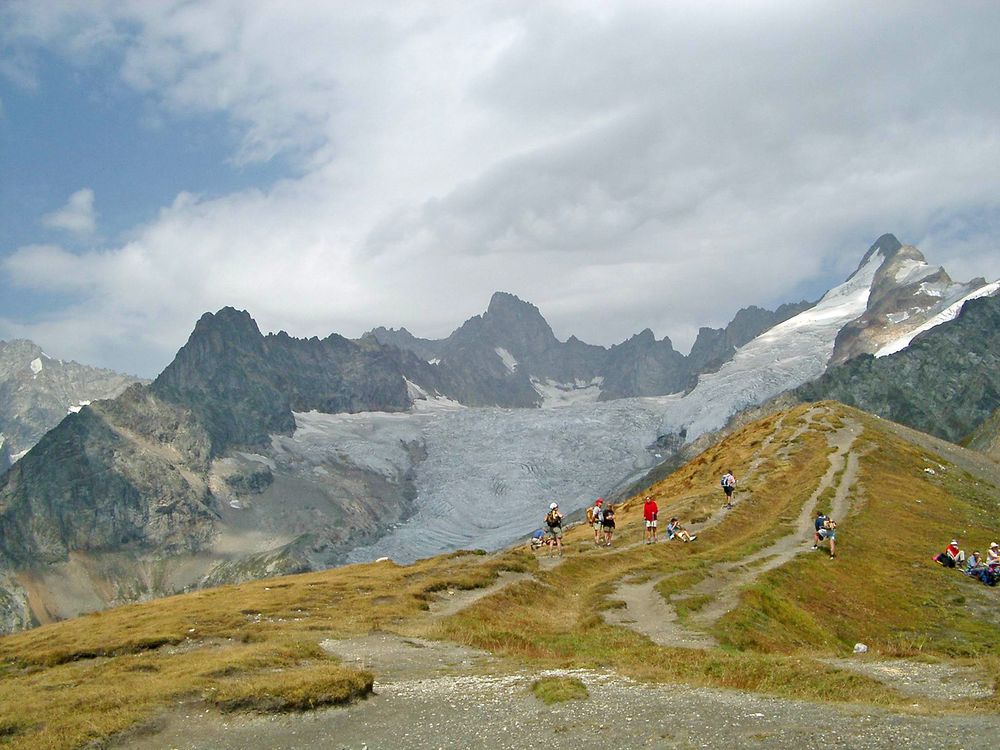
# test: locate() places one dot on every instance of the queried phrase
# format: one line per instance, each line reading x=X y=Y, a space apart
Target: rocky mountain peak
x=887 y=245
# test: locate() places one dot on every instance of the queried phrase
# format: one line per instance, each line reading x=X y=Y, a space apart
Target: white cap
x=553 y=506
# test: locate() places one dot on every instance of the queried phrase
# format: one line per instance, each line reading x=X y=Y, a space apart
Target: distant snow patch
x=899 y=317
x=76 y=409
x=911 y=270
x=556 y=394
x=18 y=456
x=36 y=365
x=435 y=361
x=423 y=401
x=933 y=290
x=949 y=313
x=507 y=358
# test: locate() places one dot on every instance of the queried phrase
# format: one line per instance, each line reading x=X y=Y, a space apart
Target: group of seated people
x=986 y=569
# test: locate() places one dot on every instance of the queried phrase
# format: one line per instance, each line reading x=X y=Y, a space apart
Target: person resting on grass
x=674 y=529
x=993 y=553
x=951 y=556
x=974 y=562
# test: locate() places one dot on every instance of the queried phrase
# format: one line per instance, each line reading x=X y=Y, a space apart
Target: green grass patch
x=551 y=690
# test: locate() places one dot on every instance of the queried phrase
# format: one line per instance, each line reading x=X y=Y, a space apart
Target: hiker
x=826 y=528
x=974 y=563
x=993 y=554
x=537 y=540
x=554 y=519
x=595 y=516
x=649 y=511
x=728 y=485
x=608 y=524
x=951 y=556
x=674 y=529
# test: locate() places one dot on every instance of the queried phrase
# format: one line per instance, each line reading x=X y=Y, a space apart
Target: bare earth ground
x=500 y=712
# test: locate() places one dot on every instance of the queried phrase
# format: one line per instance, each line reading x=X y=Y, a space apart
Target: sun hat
x=994 y=544
x=954 y=541
x=553 y=506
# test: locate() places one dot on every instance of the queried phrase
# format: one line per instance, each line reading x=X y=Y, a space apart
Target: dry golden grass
x=255 y=646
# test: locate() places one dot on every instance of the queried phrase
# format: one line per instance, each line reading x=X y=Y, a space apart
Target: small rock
x=860 y=648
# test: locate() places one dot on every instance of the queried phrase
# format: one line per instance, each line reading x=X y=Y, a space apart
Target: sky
x=335 y=166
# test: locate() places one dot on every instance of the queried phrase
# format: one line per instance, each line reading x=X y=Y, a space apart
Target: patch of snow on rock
x=435 y=361
x=36 y=365
x=949 y=313
x=781 y=358
x=555 y=395
x=911 y=270
x=899 y=317
x=933 y=290
x=507 y=358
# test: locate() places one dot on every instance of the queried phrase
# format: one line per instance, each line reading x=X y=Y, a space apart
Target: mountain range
x=253 y=455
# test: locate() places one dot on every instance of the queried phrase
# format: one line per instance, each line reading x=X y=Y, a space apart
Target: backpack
x=590 y=515
x=726 y=481
x=552 y=519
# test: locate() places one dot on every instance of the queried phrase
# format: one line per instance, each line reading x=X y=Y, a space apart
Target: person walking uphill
x=608 y=522
x=553 y=520
x=649 y=511
x=596 y=517
x=728 y=485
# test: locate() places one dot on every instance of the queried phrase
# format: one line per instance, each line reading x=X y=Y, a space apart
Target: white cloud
x=77 y=216
x=621 y=166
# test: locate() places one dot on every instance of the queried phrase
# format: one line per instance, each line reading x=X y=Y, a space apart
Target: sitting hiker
x=951 y=556
x=537 y=539
x=674 y=529
x=975 y=561
x=993 y=553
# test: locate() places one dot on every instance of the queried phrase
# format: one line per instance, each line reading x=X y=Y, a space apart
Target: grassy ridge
x=255 y=646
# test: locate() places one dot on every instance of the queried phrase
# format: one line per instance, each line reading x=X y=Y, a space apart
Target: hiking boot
x=833 y=557
x=815 y=547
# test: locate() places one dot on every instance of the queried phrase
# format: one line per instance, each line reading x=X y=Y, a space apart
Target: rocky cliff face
x=37 y=391
x=947 y=382
x=161 y=477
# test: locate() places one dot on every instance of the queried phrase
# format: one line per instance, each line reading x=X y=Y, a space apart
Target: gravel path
x=500 y=712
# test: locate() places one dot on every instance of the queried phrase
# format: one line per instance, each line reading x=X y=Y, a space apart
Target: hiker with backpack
x=649 y=511
x=608 y=524
x=728 y=483
x=595 y=517
x=826 y=528
x=553 y=520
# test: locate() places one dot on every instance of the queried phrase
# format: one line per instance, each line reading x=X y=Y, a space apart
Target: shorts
x=609 y=526
x=828 y=534
x=555 y=532
x=728 y=490
x=651 y=524
x=598 y=526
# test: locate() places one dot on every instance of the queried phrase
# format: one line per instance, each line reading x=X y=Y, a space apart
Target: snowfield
x=784 y=357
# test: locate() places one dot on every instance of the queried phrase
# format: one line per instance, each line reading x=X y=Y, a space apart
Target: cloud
x=77 y=216
x=620 y=165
